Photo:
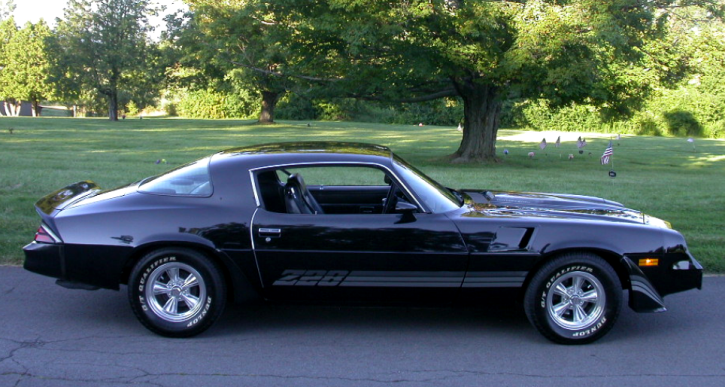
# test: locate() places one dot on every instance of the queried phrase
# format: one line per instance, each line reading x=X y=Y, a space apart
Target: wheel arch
x=612 y=258
x=238 y=285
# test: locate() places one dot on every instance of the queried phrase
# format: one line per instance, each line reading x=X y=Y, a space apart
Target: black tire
x=190 y=296
x=586 y=304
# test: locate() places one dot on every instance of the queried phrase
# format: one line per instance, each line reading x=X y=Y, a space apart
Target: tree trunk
x=269 y=102
x=481 y=111
x=37 y=109
x=113 y=106
x=112 y=93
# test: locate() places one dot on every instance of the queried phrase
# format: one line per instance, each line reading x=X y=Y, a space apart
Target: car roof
x=256 y=156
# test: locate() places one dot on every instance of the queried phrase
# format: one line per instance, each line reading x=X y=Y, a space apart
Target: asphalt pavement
x=51 y=336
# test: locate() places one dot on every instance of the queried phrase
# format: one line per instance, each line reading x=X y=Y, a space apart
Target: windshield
x=434 y=196
x=188 y=180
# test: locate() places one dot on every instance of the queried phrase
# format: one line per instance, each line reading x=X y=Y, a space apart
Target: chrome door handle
x=270 y=232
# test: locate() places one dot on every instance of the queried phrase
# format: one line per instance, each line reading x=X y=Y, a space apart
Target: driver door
x=353 y=250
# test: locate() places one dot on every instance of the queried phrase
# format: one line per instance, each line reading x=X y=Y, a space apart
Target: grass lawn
x=670 y=178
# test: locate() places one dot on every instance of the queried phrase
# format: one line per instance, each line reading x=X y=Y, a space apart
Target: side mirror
x=404 y=207
x=407 y=210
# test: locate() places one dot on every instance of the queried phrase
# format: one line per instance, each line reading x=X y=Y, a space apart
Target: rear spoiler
x=64 y=197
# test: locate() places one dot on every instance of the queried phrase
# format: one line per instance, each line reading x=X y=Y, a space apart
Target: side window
x=324 y=189
x=189 y=180
x=271 y=190
x=331 y=176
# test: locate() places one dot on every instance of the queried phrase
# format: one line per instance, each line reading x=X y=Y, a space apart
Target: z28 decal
x=438 y=279
x=311 y=278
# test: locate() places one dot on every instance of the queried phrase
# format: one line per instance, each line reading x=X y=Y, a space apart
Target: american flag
x=607 y=154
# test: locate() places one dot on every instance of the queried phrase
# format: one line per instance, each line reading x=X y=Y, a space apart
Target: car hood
x=517 y=204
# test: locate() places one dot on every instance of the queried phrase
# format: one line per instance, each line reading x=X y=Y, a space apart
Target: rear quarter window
x=188 y=180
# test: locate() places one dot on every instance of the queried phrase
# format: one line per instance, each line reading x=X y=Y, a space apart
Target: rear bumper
x=77 y=265
x=45 y=259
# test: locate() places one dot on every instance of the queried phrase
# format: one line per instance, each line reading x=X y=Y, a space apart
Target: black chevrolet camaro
x=340 y=222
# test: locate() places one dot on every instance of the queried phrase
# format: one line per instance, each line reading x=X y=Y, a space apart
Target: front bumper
x=676 y=272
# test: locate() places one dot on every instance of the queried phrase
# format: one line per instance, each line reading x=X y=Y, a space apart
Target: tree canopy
x=482 y=52
x=26 y=64
x=102 y=45
x=250 y=43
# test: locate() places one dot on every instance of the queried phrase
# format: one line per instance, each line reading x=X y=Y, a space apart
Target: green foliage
x=248 y=41
x=101 y=46
x=131 y=108
x=538 y=115
x=684 y=112
x=190 y=62
x=687 y=111
x=445 y=112
x=215 y=104
x=436 y=112
x=589 y=63
x=296 y=107
x=585 y=52
x=193 y=93
x=685 y=69
x=25 y=62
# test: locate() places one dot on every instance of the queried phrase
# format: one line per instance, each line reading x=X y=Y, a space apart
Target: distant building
x=26 y=109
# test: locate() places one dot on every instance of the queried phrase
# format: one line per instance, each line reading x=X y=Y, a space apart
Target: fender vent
x=511 y=239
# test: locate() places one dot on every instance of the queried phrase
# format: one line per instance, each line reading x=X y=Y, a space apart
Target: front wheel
x=176 y=292
x=574 y=299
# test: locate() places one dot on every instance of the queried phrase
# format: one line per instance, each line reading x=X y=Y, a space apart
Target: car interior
x=285 y=191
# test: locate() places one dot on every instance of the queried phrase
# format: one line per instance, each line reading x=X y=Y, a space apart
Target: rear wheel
x=176 y=292
x=574 y=299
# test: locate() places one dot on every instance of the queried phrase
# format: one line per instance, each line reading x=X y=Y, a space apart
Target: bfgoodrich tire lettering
x=574 y=299
x=176 y=292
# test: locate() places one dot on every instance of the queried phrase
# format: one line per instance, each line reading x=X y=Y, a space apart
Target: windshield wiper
x=488 y=195
x=458 y=196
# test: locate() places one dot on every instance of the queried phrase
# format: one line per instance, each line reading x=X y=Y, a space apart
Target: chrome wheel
x=574 y=298
x=576 y=301
x=176 y=292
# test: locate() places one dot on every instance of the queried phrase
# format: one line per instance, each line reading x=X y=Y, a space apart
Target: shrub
x=439 y=112
x=538 y=115
x=294 y=107
x=131 y=108
x=444 y=112
x=214 y=104
x=690 y=110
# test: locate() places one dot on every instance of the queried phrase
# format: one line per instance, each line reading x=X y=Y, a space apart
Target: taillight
x=44 y=235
